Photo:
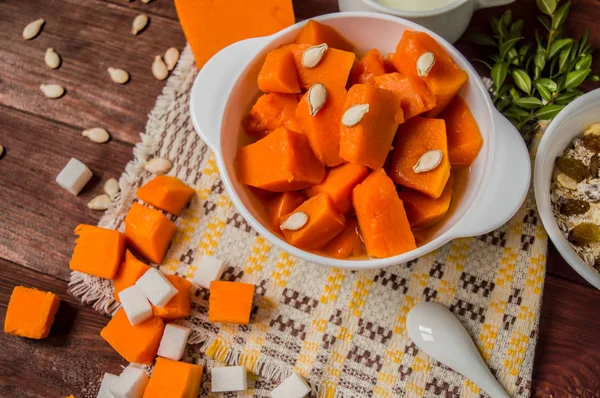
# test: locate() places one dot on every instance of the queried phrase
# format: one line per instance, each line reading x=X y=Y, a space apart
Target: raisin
x=574 y=207
x=584 y=234
x=573 y=168
x=595 y=165
x=591 y=143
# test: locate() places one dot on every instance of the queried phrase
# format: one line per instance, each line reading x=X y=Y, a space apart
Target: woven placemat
x=342 y=330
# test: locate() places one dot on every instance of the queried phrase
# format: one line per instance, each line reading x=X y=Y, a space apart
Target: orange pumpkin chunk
x=30 y=312
x=167 y=193
x=137 y=343
x=282 y=205
x=423 y=211
x=324 y=223
x=332 y=71
x=174 y=379
x=315 y=33
x=464 y=138
x=230 y=302
x=412 y=92
x=370 y=66
x=388 y=63
x=338 y=185
x=98 y=251
x=416 y=137
x=130 y=271
x=272 y=111
x=444 y=79
x=180 y=305
x=323 y=129
x=347 y=244
x=368 y=142
x=278 y=73
x=381 y=217
x=280 y=162
x=148 y=232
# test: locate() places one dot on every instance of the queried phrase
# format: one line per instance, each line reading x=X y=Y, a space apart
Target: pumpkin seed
x=425 y=63
x=171 y=58
x=295 y=221
x=100 y=202
x=584 y=234
x=573 y=168
x=574 y=207
x=566 y=182
x=96 y=134
x=52 y=59
x=428 y=161
x=146 y=1
x=158 y=165
x=594 y=129
x=52 y=90
x=313 y=55
x=111 y=188
x=159 y=69
x=118 y=75
x=316 y=98
x=139 y=23
x=354 y=114
x=33 y=29
x=595 y=165
x=1 y=151
x=591 y=143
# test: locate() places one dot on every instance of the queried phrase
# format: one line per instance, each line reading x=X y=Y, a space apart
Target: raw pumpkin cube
x=130 y=271
x=338 y=185
x=282 y=205
x=272 y=111
x=280 y=162
x=174 y=379
x=464 y=138
x=412 y=91
x=278 y=73
x=381 y=217
x=148 y=232
x=210 y=26
x=30 y=312
x=368 y=142
x=323 y=224
x=230 y=302
x=167 y=193
x=98 y=251
x=347 y=244
x=137 y=343
x=416 y=137
x=180 y=305
x=444 y=79
x=323 y=129
x=423 y=211
x=332 y=71
x=369 y=67
x=315 y=33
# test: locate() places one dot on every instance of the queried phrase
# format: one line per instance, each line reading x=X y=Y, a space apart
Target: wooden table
x=37 y=217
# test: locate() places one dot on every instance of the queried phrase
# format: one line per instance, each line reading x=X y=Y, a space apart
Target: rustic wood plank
x=162 y=8
x=558 y=267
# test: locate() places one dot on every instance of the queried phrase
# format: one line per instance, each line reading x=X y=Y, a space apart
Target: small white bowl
x=568 y=124
x=495 y=185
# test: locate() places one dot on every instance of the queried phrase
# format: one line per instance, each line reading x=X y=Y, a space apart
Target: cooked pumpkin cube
x=338 y=185
x=98 y=251
x=180 y=305
x=230 y=302
x=270 y=112
x=30 y=312
x=278 y=73
x=130 y=271
x=174 y=379
x=167 y=193
x=148 y=232
x=315 y=33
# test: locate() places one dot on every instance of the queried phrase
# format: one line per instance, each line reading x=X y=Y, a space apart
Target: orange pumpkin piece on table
x=369 y=67
x=272 y=111
x=412 y=92
x=315 y=33
x=368 y=141
x=137 y=343
x=278 y=73
x=282 y=205
x=332 y=70
x=415 y=138
x=381 y=217
x=148 y=232
x=423 y=211
x=338 y=185
x=444 y=79
x=464 y=138
x=280 y=162
x=30 y=312
x=174 y=379
x=167 y=193
x=179 y=306
x=230 y=302
x=98 y=251
x=347 y=244
x=323 y=129
x=210 y=26
x=323 y=223
x=130 y=271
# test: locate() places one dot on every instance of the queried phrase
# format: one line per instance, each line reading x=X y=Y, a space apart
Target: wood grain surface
x=37 y=217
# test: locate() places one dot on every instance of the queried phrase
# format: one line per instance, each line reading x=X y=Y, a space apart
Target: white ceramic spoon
x=436 y=331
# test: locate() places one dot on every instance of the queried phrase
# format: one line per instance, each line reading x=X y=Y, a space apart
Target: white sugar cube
x=107 y=381
x=210 y=269
x=292 y=387
x=136 y=305
x=173 y=341
x=131 y=383
x=229 y=378
x=156 y=287
x=74 y=176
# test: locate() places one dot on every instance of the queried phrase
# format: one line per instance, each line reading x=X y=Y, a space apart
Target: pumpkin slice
x=282 y=205
x=338 y=185
x=370 y=66
x=464 y=138
x=332 y=71
x=423 y=211
x=270 y=112
x=278 y=73
x=347 y=244
x=315 y=33
x=412 y=92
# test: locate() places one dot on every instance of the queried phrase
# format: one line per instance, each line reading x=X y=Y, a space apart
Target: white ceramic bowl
x=569 y=123
x=226 y=87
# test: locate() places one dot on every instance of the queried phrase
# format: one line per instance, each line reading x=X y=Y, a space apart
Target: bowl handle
x=213 y=85
x=479 y=4
x=506 y=184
